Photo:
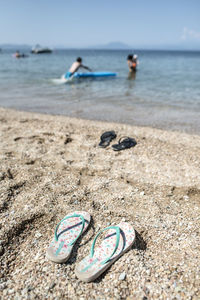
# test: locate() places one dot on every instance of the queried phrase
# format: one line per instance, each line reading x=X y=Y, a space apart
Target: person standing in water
x=75 y=66
x=132 y=63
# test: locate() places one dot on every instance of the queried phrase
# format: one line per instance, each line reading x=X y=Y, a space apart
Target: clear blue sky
x=82 y=23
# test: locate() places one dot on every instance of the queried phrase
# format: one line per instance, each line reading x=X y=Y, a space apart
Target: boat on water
x=40 y=50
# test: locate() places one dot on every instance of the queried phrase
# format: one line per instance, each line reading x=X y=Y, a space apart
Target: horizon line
x=7 y=45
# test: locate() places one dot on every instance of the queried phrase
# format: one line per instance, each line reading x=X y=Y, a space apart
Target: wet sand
x=52 y=165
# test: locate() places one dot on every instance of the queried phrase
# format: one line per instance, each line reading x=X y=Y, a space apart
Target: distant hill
x=182 y=45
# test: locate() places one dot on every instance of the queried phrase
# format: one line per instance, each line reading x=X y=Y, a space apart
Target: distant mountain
x=113 y=45
x=182 y=45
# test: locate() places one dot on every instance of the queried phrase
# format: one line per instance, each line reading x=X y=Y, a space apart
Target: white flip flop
x=119 y=239
x=67 y=232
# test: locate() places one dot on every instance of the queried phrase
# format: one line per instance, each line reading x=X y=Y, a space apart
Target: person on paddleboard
x=17 y=54
x=75 y=66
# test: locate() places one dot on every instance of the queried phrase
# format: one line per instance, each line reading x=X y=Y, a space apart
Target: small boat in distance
x=39 y=50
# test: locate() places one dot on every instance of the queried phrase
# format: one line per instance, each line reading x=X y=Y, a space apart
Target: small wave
x=61 y=80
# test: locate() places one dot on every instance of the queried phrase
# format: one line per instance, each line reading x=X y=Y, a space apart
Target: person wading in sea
x=132 y=65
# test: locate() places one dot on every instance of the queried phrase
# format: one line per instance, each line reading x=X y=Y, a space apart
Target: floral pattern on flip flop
x=92 y=265
x=67 y=232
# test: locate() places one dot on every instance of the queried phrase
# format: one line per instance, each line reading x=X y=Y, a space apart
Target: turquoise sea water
x=164 y=94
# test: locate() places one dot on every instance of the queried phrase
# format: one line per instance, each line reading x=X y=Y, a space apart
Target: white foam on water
x=61 y=80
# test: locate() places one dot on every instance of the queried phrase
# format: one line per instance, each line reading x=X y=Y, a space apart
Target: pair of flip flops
x=118 y=240
x=123 y=143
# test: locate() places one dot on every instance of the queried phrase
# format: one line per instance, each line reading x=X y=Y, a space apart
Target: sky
x=87 y=23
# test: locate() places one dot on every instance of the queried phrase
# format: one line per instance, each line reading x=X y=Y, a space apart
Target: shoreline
x=141 y=128
x=130 y=120
x=52 y=165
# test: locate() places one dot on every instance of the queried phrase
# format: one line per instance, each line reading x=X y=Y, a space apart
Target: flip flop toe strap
x=117 y=229
x=126 y=142
x=106 y=138
x=69 y=217
x=123 y=138
x=108 y=135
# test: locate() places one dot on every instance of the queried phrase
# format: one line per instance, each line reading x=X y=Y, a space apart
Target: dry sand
x=52 y=165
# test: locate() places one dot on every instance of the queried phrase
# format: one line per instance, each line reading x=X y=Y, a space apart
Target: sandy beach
x=52 y=165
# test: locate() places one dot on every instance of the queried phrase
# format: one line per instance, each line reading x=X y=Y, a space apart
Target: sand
x=52 y=165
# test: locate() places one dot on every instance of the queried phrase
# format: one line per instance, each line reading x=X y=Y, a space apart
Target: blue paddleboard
x=94 y=74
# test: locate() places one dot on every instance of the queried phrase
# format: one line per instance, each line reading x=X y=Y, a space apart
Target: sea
x=164 y=93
